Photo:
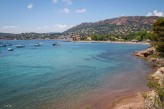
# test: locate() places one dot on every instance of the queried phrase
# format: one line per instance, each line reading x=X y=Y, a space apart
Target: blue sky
x=17 y=16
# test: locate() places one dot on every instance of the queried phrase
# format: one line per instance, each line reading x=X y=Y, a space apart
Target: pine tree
x=158 y=29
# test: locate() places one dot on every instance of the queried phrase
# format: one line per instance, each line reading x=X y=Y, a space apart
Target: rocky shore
x=154 y=98
x=150 y=56
x=151 y=99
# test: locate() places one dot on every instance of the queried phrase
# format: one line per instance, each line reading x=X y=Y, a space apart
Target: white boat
x=37 y=44
x=10 y=49
x=20 y=46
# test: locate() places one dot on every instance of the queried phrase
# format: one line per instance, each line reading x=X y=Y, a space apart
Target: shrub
x=160 y=46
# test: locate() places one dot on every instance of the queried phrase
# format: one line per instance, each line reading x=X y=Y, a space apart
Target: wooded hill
x=120 y=26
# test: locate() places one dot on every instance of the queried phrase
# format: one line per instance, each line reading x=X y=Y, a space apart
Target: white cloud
x=9 y=27
x=65 y=11
x=30 y=6
x=81 y=10
x=52 y=28
x=55 y=1
x=67 y=2
x=61 y=27
x=46 y=27
x=155 y=13
x=38 y=29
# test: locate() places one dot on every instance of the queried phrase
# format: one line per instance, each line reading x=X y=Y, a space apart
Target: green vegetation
x=158 y=28
x=140 y=36
x=159 y=98
x=28 y=36
x=120 y=27
x=98 y=37
x=155 y=55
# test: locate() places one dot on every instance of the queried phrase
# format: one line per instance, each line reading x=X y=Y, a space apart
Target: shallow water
x=57 y=77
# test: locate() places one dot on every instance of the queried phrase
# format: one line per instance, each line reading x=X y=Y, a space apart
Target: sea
x=68 y=76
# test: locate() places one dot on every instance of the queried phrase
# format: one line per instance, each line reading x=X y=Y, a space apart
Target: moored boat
x=8 y=44
x=37 y=44
x=20 y=46
x=2 y=45
x=10 y=49
x=55 y=44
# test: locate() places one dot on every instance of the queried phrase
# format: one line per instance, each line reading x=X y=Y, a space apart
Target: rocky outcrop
x=159 y=76
x=153 y=99
x=147 y=54
x=144 y=53
x=158 y=61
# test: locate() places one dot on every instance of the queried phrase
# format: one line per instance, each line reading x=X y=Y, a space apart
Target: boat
x=8 y=44
x=10 y=49
x=55 y=44
x=2 y=45
x=37 y=44
x=20 y=46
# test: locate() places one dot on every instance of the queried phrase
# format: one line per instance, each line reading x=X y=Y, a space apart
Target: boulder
x=153 y=59
x=159 y=75
x=145 y=53
x=160 y=72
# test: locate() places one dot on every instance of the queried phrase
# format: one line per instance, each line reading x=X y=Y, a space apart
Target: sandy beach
x=131 y=101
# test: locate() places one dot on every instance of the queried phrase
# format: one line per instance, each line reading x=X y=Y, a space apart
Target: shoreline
x=134 y=100
x=117 y=42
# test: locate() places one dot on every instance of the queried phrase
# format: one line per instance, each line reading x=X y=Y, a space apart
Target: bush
x=152 y=84
x=160 y=47
x=161 y=94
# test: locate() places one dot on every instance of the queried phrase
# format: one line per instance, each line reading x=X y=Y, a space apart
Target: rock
x=150 y=99
x=144 y=53
x=159 y=75
x=153 y=59
x=137 y=53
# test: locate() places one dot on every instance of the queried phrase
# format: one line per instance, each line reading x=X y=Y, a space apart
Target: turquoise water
x=38 y=76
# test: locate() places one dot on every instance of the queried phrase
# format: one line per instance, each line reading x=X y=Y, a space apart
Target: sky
x=42 y=16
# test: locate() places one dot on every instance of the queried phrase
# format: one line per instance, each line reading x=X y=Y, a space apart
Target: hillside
x=120 y=25
x=27 y=36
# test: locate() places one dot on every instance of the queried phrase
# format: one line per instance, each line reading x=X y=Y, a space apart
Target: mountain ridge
x=118 y=25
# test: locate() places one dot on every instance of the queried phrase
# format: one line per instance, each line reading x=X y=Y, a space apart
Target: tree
x=139 y=38
x=158 y=28
x=94 y=37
